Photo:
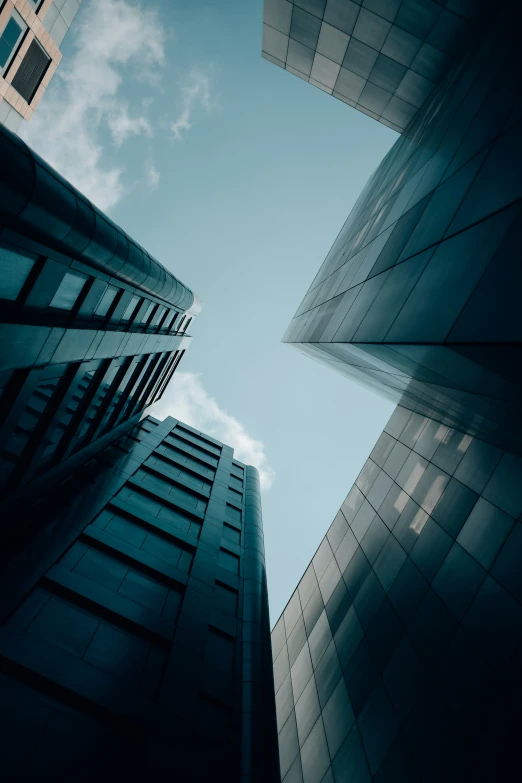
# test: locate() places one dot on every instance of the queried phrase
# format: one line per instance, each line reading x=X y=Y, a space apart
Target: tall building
x=398 y=656
x=31 y=32
x=92 y=327
x=418 y=295
x=382 y=57
x=134 y=634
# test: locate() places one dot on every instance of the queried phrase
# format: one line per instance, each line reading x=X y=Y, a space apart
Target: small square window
x=231 y=534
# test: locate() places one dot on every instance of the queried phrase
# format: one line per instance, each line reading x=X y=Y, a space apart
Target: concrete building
x=31 y=33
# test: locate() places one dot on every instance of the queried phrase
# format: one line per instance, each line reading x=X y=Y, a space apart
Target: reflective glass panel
x=68 y=292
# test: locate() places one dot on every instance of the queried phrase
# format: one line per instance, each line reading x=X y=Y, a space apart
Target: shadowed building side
x=398 y=655
x=418 y=297
x=134 y=632
x=92 y=327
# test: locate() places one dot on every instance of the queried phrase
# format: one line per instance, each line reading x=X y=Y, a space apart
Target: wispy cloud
x=195 y=94
x=187 y=400
x=122 y=125
x=113 y=39
x=152 y=175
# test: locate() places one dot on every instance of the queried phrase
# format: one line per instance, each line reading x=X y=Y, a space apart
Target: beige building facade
x=31 y=32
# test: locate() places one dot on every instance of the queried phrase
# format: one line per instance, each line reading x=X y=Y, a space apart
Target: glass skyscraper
x=418 y=294
x=134 y=635
x=134 y=630
x=92 y=327
x=382 y=57
x=398 y=656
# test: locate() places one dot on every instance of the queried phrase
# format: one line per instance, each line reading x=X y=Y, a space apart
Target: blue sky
x=237 y=176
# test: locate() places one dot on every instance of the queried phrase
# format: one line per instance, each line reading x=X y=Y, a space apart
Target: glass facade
x=129 y=644
x=398 y=655
x=419 y=294
x=397 y=658
x=87 y=326
x=383 y=57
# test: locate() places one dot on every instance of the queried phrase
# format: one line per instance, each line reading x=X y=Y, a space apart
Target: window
x=220 y=652
x=131 y=307
x=9 y=40
x=31 y=71
x=68 y=292
x=231 y=534
x=148 y=312
x=226 y=598
x=228 y=561
x=178 y=328
x=234 y=496
x=233 y=514
x=15 y=267
x=169 y=320
x=160 y=312
x=187 y=325
x=106 y=300
x=32 y=416
x=236 y=483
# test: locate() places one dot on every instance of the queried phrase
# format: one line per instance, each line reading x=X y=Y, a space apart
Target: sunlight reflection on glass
x=400 y=503
x=418 y=522
x=441 y=432
x=414 y=478
x=434 y=493
x=464 y=443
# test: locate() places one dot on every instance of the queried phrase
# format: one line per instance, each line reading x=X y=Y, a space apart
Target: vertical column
x=259 y=737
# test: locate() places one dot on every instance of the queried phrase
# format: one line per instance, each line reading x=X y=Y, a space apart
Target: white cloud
x=111 y=36
x=152 y=174
x=195 y=93
x=186 y=399
x=122 y=125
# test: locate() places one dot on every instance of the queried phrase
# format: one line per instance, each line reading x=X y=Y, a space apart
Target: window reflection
x=15 y=270
x=414 y=477
x=464 y=443
x=148 y=312
x=131 y=307
x=441 y=432
x=106 y=300
x=433 y=494
x=418 y=522
x=401 y=501
x=33 y=413
x=68 y=292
